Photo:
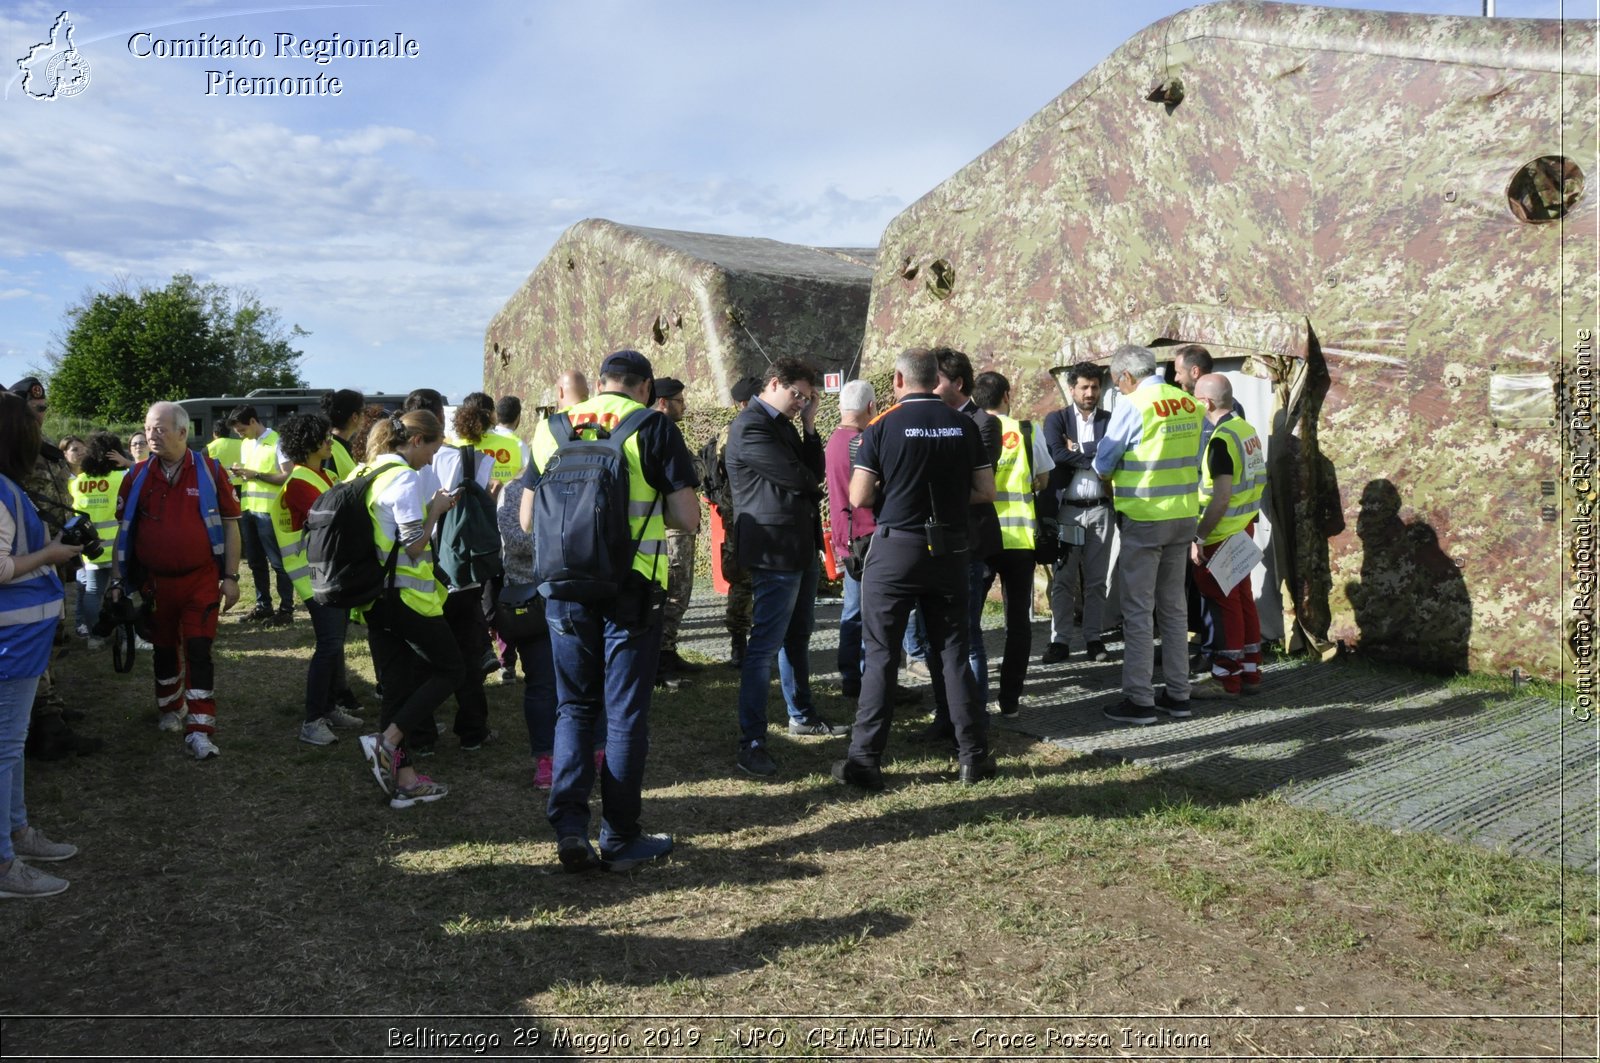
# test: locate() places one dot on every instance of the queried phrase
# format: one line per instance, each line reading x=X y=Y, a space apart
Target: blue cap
x=627 y=362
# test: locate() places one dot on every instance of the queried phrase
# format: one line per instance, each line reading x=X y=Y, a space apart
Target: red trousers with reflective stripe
x=184 y=623
x=1241 y=624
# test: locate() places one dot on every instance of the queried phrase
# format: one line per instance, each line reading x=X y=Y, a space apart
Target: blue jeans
x=782 y=609
x=602 y=670
x=16 y=702
x=539 y=695
x=851 y=658
x=260 y=545
x=92 y=584
x=915 y=642
x=325 y=678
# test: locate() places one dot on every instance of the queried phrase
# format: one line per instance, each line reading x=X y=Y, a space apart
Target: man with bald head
x=572 y=387
x=1233 y=477
x=178 y=545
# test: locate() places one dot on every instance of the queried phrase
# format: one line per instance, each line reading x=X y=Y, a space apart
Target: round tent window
x=1545 y=189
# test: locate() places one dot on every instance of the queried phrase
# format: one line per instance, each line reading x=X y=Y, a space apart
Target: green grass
x=273 y=881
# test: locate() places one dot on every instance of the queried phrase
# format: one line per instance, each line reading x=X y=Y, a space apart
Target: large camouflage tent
x=707 y=309
x=1386 y=215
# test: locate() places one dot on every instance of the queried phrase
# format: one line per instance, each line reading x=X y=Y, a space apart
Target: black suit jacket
x=776 y=478
x=983 y=523
x=1061 y=426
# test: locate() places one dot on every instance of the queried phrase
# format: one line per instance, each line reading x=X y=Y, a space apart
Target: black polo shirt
x=925 y=453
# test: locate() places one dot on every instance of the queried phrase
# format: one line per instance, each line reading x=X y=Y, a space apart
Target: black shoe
x=490 y=663
x=757 y=761
x=576 y=854
x=1009 y=712
x=736 y=651
x=1126 y=711
x=850 y=690
x=850 y=773
x=937 y=733
x=817 y=727
x=261 y=614
x=49 y=738
x=284 y=615
x=672 y=661
x=1178 y=710
x=1097 y=651
x=1055 y=653
x=907 y=698
x=978 y=770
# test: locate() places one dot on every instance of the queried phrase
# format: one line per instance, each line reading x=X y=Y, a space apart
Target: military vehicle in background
x=1383 y=218
x=272 y=405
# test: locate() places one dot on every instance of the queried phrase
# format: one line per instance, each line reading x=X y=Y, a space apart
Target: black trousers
x=900 y=575
x=417 y=663
x=463 y=611
x=1015 y=569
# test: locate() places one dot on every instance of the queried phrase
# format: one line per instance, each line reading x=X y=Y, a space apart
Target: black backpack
x=469 y=535
x=582 y=549
x=340 y=549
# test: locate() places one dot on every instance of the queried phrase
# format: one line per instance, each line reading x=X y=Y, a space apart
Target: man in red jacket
x=178 y=541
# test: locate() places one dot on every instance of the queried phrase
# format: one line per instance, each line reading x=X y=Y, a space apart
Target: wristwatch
x=231 y=575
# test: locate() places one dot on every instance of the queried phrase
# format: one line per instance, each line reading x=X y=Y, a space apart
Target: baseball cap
x=668 y=387
x=626 y=362
x=746 y=389
x=28 y=388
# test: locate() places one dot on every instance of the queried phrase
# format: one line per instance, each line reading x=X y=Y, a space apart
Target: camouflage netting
x=704 y=308
x=1386 y=214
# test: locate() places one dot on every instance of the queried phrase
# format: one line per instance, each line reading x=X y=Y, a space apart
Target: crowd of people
x=572 y=555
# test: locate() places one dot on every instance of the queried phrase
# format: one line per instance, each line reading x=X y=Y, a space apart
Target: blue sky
x=394 y=219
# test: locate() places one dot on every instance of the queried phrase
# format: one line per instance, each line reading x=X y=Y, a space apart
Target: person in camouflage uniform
x=670 y=400
x=50 y=734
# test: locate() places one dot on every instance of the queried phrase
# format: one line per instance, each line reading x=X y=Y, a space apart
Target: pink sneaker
x=543 y=772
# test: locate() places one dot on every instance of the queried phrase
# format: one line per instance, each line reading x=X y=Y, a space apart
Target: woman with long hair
x=306 y=439
x=413 y=651
x=30 y=608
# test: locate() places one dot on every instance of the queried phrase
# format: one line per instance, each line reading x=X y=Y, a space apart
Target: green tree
x=124 y=349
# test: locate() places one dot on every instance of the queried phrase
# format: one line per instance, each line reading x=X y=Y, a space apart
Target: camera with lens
x=79 y=530
x=113 y=614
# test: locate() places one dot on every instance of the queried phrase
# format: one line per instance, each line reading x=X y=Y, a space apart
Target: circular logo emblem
x=1010 y=440
x=67 y=73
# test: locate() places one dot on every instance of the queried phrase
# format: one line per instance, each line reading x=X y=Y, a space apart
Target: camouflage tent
x=705 y=308
x=1385 y=214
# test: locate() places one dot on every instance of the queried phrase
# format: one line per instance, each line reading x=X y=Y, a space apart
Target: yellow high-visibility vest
x=1013 y=486
x=97 y=496
x=260 y=455
x=1249 y=477
x=292 y=543
x=1157 y=479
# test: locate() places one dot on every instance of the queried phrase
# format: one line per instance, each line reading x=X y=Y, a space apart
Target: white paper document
x=1234 y=561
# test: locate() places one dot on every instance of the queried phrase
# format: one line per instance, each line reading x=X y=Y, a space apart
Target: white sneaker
x=201 y=747
x=317 y=733
x=83 y=631
x=340 y=718
x=20 y=880
x=142 y=644
x=171 y=722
